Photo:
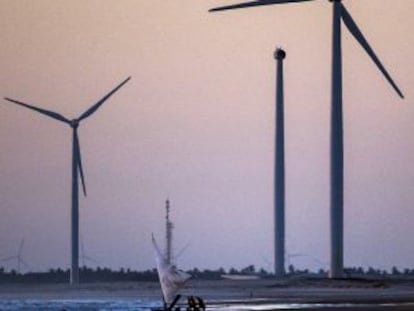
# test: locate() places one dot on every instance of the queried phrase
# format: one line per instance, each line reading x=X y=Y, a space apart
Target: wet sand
x=224 y=293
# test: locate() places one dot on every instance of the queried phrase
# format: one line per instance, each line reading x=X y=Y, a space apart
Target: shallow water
x=78 y=305
x=146 y=305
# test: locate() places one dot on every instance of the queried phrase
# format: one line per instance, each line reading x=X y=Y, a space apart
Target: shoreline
x=263 y=291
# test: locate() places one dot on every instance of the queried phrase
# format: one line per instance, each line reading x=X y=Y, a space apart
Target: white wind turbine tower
x=76 y=170
x=336 y=145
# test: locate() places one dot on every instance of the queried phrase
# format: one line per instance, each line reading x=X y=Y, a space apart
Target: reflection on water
x=76 y=305
x=146 y=305
x=311 y=306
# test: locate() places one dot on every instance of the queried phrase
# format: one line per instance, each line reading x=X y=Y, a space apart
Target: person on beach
x=191 y=304
x=201 y=304
x=195 y=304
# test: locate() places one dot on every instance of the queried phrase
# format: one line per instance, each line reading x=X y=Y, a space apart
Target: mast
x=279 y=169
x=168 y=233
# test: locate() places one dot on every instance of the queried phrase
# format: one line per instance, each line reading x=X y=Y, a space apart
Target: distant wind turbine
x=76 y=168
x=297 y=255
x=339 y=12
x=290 y=256
x=17 y=257
x=83 y=255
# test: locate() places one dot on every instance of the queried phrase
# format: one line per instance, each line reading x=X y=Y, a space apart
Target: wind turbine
x=336 y=145
x=17 y=257
x=76 y=170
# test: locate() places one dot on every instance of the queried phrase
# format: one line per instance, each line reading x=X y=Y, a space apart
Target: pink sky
x=195 y=124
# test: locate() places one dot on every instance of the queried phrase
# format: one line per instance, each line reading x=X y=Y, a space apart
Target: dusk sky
x=195 y=124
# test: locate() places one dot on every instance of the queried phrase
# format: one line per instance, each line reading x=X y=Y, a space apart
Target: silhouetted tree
x=248 y=270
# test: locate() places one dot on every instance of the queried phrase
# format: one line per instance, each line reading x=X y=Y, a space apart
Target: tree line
x=87 y=274
x=100 y=274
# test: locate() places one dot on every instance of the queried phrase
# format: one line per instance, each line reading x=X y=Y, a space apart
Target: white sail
x=171 y=279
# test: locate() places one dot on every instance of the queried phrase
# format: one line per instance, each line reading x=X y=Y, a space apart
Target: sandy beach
x=227 y=292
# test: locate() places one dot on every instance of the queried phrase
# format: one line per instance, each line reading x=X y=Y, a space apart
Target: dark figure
x=191 y=304
x=201 y=304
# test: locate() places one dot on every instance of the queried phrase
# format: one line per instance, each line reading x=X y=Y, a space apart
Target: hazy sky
x=195 y=124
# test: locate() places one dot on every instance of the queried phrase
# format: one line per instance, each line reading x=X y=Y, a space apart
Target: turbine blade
x=81 y=245
x=356 y=32
x=79 y=162
x=20 y=247
x=7 y=258
x=24 y=263
x=253 y=3
x=182 y=251
x=91 y=259
x=95 y=107
x=48 y=113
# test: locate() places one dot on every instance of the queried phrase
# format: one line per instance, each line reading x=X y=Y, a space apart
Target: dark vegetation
x=107 y=275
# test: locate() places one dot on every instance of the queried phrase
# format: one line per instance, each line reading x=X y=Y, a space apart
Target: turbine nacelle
x=74 y=123
x=279 y=54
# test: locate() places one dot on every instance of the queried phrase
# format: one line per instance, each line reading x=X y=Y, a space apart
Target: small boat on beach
x=172 y=280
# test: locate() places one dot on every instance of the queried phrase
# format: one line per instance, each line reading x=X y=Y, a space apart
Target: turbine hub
x=279 y=54
x=74 y=123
